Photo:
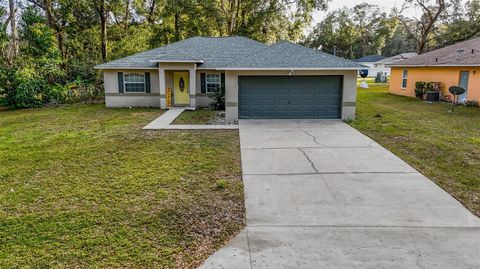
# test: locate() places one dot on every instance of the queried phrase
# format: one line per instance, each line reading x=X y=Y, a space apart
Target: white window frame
x=125 y=82
x=404 y=78
x=219 y=83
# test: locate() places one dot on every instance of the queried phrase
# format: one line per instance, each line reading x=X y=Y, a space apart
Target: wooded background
x=49 y=47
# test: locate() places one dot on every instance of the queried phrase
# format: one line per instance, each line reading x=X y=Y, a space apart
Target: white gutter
x=437 y=65
x=127 y=68
x=176 y=61
x=240 y=69
x=295 y=68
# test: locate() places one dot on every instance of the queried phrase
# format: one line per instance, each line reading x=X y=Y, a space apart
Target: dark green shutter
x=203 y=83
x=222 y=82
x=147 y=82
x=120 y=82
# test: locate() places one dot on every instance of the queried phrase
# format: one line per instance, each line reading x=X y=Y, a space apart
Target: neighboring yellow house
x=456 y=65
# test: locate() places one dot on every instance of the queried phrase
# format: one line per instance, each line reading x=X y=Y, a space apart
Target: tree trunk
x=176 y=23
x=47 y=4
x=14 y=30
x=151 y=13
x=421 y=46
x=103 y=29
x=127 y=14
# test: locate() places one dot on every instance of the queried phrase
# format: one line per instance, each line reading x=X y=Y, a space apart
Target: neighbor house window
x=134 y=82
x=213 y=83
x=404 y=79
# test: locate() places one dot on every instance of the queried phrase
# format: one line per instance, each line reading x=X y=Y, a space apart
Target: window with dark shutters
x=203 y=83
x=147 y=82
x=120 y=82
x=222 y=83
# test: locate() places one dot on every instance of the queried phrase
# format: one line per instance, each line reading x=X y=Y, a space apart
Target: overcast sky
x=386 y=5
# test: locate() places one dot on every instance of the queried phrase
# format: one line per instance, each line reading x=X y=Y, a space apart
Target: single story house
x=455 y=65
x=283 y=80
x=369 y=61
x=384 y=65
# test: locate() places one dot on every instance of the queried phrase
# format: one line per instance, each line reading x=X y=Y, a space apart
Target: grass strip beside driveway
x=443 y=146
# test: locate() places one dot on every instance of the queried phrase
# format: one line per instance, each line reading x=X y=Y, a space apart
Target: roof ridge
x=255 y=52
x=184 y=53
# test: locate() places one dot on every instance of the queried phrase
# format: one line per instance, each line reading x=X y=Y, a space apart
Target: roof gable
x=465 y=53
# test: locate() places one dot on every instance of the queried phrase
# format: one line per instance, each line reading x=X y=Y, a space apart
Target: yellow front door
x=181 y=88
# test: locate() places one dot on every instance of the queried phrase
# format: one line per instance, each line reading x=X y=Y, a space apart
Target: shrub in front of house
x=420 y=89
x=472 y=103
x=218 y=100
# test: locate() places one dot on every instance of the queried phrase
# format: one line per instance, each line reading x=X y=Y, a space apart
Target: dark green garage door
x=305 y=97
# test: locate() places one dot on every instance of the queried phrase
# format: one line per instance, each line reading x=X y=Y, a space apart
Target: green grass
x=197 y=117
x=84 y=186
x=443 y=146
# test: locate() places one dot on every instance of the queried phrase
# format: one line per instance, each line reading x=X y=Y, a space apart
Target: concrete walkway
x=319 y=194
x=164 y=123
x=165 y=119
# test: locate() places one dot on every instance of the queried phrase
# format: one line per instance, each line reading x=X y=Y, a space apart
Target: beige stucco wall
x=197 y=99
x=115 y=99
x=349 y=94
x=133 y=100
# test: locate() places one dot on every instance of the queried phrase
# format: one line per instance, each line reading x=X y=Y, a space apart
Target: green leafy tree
x=460 y=23
x=29 y=83
x=422 y=29
x=352 y=33
x=399 y=42
x=335 y=34
x=4 y=38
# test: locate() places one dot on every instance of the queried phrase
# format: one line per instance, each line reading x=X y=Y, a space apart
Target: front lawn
x=83 y=186
x=443 y=146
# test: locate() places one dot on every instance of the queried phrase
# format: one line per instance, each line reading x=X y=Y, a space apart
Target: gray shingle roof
x=465 y=53
x=213 y=51
x=370 y=59
x=176 y=56
x=230 y=53
x=397 y=58
x=289 y=55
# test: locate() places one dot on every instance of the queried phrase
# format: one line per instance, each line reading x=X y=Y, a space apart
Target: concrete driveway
x=319 y=194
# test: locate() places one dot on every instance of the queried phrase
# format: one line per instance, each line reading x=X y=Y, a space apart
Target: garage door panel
x=290 y=97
